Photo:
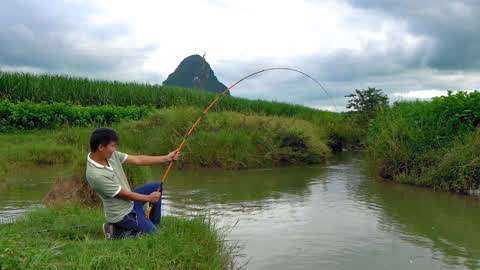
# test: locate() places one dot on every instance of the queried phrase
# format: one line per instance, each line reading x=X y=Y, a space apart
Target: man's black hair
x=102 y=136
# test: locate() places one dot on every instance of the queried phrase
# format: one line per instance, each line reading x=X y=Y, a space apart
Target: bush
x=28 y=115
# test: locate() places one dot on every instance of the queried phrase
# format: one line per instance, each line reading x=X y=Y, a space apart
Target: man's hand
x=154 y=196
x=134 y=196
x=173 y=155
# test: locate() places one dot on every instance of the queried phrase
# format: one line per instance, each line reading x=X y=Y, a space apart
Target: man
x=123 y=207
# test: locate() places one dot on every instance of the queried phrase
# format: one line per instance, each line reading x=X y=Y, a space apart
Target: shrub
x=27 y=115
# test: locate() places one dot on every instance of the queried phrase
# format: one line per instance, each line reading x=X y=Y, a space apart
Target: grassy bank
x=429 y=143
x=71 y=238
x=226 y=140
x=51 y=89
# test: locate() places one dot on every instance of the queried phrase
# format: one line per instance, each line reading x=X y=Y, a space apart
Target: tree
x=367 y=102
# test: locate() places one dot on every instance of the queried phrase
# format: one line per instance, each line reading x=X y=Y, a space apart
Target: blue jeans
x=135 y=222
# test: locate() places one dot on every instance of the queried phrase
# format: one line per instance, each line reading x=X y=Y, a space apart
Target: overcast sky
x=411 y=49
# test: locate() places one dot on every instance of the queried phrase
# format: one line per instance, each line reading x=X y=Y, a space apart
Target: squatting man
x=124 y=208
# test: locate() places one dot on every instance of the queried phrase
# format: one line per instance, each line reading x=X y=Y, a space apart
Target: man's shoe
x=108 y=230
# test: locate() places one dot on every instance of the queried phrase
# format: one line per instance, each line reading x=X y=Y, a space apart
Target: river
x=334 y=216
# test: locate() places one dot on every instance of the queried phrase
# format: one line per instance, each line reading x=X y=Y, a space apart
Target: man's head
x=104 y=141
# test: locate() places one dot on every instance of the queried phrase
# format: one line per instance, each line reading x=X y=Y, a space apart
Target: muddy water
x=335 y=216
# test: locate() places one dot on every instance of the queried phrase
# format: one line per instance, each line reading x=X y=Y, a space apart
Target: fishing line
x=225 y=92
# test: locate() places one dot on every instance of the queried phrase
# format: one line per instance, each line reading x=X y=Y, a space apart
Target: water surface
x=334 y=216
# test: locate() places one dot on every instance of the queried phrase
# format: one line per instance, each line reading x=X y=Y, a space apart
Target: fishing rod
x=225 y=92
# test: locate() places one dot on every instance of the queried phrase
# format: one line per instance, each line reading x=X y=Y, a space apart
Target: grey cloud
x=57 y=37
x=452 y=26
x=450 y=45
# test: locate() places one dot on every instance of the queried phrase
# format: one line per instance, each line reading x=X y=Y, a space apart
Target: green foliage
x=71 y=238
x=20 y=87
x=28 y=115
x=425 y=142
x=367 y=102
x=344 y=132
x=458 y=112
x=54 y=88
x=226 y=140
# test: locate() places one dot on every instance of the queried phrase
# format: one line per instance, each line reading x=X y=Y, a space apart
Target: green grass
x=228 y=140
x=429 y=143
x=81 y=91
x=34 y=148
x=71 y=238
x=3 y=171
x=21 y=87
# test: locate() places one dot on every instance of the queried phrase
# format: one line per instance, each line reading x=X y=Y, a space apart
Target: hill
x=195 y=72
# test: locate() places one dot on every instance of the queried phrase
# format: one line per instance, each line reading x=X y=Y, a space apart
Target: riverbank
x=71 y=238
x=47 y=119
x=226 y=140
x=433 y=143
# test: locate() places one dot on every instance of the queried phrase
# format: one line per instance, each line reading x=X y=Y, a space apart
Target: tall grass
x=81 y=91
x=226 y=140
x=410 y=140
x=71 y=238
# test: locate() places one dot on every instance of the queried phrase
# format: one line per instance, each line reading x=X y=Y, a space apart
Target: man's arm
x=151 y=160
x=134 y=196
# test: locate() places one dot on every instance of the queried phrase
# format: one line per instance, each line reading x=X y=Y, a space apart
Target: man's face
x=108 y=149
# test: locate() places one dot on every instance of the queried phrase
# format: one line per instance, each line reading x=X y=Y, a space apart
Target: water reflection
x=191 y=192
x=448 y=224
x=25 y=189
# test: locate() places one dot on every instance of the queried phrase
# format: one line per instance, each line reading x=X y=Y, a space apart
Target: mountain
x=195 y=72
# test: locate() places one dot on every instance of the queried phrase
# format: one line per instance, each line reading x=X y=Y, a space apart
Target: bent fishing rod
x=225 y=92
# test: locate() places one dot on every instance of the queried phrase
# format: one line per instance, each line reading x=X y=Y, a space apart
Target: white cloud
x=420 y=94
x=247 y=31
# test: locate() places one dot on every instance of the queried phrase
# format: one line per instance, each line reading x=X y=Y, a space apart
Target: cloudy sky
x=411 y=49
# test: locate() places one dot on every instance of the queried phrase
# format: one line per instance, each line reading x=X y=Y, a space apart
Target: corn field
x=18 y=87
